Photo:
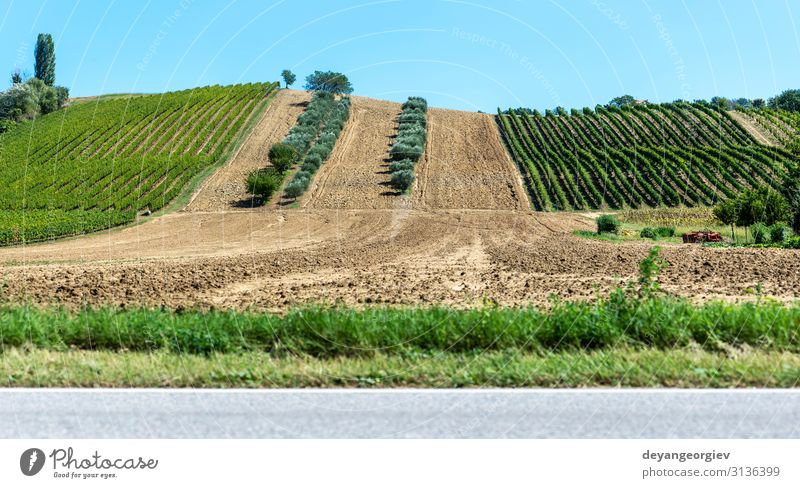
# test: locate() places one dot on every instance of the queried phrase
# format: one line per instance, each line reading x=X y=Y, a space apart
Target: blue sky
x=472 y=55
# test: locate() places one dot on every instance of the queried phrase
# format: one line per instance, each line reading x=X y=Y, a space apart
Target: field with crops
x=95 y=164
x=642 y=155
x=779 y=126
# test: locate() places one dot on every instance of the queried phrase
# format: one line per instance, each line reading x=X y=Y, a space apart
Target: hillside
x=95 y=164
x=668 y=154
x=464 y=237
x=779 y=127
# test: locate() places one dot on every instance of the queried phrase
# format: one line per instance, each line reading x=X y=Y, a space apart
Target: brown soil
x=356 y=176
x=226 y=189
x=465 y=165
x=468 y=240
x=750 y=126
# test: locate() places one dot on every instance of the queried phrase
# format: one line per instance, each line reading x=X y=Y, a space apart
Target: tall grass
x=620 y=320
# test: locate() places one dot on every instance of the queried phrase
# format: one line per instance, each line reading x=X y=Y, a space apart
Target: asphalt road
x=590 y=413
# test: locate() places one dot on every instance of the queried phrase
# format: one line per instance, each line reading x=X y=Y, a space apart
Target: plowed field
x=464 y=237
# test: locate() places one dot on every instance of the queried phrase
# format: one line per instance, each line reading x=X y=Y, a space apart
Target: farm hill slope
x=226 y=188
x=425 y=251
x=642 y=155
x=95 y=164
x=776 y=127
x=464 y=165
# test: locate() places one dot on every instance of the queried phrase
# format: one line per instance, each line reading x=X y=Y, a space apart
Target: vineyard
x=96 y=164
x=780 y=126
x=639 y=155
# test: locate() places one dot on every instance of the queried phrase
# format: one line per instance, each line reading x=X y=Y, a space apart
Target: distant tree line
x=787 y=100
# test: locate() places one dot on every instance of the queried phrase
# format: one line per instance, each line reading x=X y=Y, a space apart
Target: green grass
x=683 y=368
x=618 y=321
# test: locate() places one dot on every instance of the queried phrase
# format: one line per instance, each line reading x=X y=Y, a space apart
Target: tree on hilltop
x=45 y=54
x=622 y=101
x=329 y=82
x=288 y=77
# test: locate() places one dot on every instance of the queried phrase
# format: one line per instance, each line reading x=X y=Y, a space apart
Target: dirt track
x=226 y=189
x=356 y=176
x=749 y=125
x=465 y=165
x=462 y=243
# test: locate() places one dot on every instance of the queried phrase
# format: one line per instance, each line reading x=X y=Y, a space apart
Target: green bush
x=792 y=242
x=665 y=231
x=309 y=168
x=282 y=156
x=296 y=188
x=608 y=224
x=760 y=233
x=778 y=233
x=302 y=175
x=264 y=182
x=402 y=150
x=405 y=164
x=402 y=180
x=314 y=160
x=648 y=233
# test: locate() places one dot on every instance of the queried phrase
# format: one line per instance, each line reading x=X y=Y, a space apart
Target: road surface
x=587 y=413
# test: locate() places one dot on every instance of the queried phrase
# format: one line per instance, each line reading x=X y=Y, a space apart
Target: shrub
x=309 y=167
x=321 y=150
x=778 y=233
x=402 y=180
x=401 y=165
x=302 y=175
x=263 y=183
x=401 y=150
x=792 y=242
x=416 y=117
x=6 y=125
x=282 y=156
x=648 y=233
x=415 y=103
x=313 y=159
x=607 y=224
x=760 y=233
x=296 y=188
x=665 y=231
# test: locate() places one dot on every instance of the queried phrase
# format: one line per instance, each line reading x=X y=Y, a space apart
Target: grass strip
x=682 y=368
x=620 y=320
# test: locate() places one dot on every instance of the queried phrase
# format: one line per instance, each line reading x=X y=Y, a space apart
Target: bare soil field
x=467 y=239
x=356 y=176
x=466 y=166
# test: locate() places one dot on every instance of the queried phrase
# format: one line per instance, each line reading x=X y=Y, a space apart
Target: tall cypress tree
x=45 y=54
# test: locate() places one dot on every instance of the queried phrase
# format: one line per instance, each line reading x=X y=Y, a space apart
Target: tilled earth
x=464 y=238
x=460 y=258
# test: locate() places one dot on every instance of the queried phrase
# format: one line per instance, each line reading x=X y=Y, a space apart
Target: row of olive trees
x=410 y=142
x=310 y=140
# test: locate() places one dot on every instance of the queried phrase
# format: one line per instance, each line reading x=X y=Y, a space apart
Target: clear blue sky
x=473 y=55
